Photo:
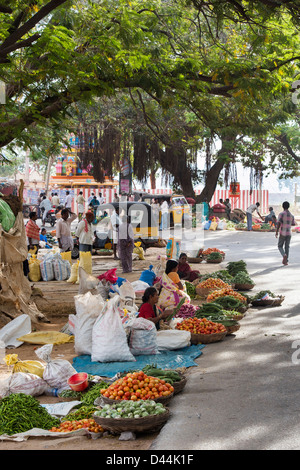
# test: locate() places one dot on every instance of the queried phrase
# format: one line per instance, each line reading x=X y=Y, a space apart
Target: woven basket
x=232 y=329
x=244 y=286
x=194 y=260
x=146 y=424
x=206 y=339
x=205 y=291
x=214 y=261
x=268 y=302
x=238 y=317
x=179 y=386
x=163 y=400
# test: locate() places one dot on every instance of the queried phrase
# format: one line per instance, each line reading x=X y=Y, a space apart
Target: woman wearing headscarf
x=172 y=289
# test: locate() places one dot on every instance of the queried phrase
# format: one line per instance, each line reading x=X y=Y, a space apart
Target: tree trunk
x=153 y=179
x=211 y=182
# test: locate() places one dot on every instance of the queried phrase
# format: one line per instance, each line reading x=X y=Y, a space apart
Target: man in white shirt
x=164 y=209
x=45 y=206
x=55 y=200
x=63 y=230
x=84 y=232
x=101 y=199
x=69 y=199
x=249 y=212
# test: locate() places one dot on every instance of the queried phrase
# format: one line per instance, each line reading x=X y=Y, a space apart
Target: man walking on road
x=285 y=222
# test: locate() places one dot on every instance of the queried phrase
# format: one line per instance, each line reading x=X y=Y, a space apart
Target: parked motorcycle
x=50 y=217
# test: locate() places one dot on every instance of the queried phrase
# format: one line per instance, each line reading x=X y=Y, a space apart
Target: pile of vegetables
x=200 y=326
x=20 y=413
x=243 y=278
x=214 y=311
x=138 y=409
x=86 y=398
x=213 y=283
x=169 y=376
x=186 y=311
x=72 y=425
x=138 y=386
x=230 y=225
x=229 y=302
x=234 y=267
x=190 y=289
x=224 y=292
x=241 y=225
x=214 y=257
x=208 y=251
x=262 y=293
x=222 y=274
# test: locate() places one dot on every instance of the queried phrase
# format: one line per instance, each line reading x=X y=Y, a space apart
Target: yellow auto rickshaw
x=179 y=209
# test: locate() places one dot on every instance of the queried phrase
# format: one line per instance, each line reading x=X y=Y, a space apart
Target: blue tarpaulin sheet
x=165 y=360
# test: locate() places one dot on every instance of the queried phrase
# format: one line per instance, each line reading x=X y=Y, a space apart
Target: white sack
x=88 y=308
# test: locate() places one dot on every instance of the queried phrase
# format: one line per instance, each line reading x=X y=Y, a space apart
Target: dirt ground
x=56 y=301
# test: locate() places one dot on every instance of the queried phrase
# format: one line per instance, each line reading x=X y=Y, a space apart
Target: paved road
x=245 y=394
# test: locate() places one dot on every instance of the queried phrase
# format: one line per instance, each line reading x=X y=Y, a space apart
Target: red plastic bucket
x=78 y=382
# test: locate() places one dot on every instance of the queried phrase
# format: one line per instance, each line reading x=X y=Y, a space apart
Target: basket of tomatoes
x=137 y=386
x=206 y=287
x=203 y=330
x=226 y=292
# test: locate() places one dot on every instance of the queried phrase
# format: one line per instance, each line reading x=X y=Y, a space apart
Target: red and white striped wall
x=245 y=199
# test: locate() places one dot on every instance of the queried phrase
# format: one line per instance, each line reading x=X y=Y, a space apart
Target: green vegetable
x=84 y=412
x=129 y=409
x=176 y=309
x=20 y=413
x=169 y=376
x=190 y=289
x=243 y=278
x=228 y=302
x=233 y=267
x=89 y=397
x=262 y=293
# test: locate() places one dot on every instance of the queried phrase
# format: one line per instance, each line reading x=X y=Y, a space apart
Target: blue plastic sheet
x=165 y=359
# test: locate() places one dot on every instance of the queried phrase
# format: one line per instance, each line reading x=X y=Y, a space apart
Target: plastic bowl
x=78 y=382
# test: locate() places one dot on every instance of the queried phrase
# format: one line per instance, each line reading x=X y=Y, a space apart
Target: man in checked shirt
x=284 y=225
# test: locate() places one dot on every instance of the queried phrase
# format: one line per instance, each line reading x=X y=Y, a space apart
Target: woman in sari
x=125 y=244
x=184 y=270
x=172 y=289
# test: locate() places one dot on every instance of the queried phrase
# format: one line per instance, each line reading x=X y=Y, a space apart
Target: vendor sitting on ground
x=184 y=270
x=148 y=309
x=43 y=238
x=172 y=289
x=271 y=217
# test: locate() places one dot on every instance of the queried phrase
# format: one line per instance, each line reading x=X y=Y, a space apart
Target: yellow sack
x=47 y=337
x=139 y=250
x=85 y=262
x=213 y=226
x=74 y=273
x=67 y=255
x=33 y=251
x=28 y=367
x=34 y=274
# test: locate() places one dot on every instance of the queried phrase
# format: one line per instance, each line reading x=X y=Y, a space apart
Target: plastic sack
x=88 y=308
x=66 y=255
x=87 y=282
x=221 y=225
x=20 y=325
x=46 y=266
x=142 y=337
x=74 y=273
x=46 y=337
x=139 y=286
x=173 y=249
x=148 y=276
x=169 y=340
x=109 y=276
x=21 y=382
x=7 y=217
x=57 y=371
x=138 y=250
x=127 y=294
x=34 y=274
x=27 y=366
x=214 y=224
x=61 y=268
x=85 y=261
x=207 y=225
x=109 y=340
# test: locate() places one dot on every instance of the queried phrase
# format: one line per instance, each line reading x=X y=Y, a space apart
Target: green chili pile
x=20 y=413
